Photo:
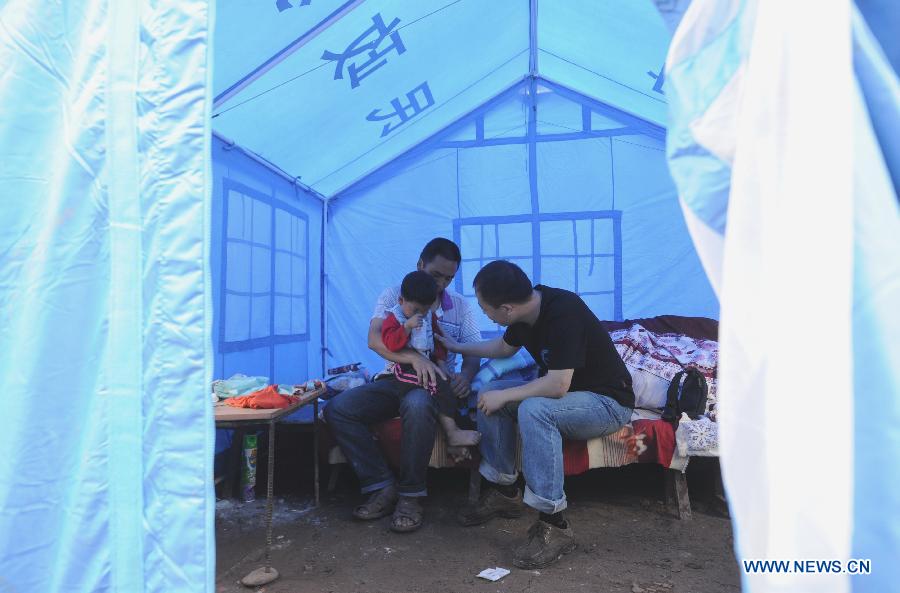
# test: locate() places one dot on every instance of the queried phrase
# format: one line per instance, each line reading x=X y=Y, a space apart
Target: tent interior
x=541 y=142
x=196 y=189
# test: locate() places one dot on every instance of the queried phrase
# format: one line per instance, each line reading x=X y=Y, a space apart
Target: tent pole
x=323 y=286
x=230 y=145
x=284 y=53
x=532 y=39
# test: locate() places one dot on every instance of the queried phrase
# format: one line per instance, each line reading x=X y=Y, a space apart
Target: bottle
x=248 y=471
x=421 y=338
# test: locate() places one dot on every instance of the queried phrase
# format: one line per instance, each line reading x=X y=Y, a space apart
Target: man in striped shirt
x=352 y=412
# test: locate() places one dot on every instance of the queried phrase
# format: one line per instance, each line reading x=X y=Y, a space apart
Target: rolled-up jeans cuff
x=493 y=476
x=377 y=486
x=544 y=505
x=416 y=494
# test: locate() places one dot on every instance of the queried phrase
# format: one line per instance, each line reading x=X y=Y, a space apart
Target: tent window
x=578 y=251
x=265 y=271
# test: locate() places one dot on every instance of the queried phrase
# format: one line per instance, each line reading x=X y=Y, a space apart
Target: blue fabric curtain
x=106 y=478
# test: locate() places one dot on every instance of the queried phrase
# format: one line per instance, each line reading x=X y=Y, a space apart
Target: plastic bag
x=346 y=380
x=519 y=366
x=238 y=384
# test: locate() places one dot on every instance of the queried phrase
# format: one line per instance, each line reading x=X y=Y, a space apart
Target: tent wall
x=578 y=195
x=266 y=269
x=105 y=483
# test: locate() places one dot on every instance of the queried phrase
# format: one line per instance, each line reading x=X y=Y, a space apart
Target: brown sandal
x=408 y=507
x=380 y=504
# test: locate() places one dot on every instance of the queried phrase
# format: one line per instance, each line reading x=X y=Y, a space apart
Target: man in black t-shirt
x=583 y=391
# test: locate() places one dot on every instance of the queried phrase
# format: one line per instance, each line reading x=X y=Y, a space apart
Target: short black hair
x=443 y=247
x=419 y=287
x=502 y=283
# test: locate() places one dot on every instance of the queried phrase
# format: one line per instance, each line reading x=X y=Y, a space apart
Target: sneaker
x=546 y=544
x=492 y=504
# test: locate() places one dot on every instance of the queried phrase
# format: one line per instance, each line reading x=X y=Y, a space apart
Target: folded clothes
x=263 y=399
x=238 y=384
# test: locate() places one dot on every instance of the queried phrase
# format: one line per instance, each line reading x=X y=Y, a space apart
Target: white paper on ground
x=493 y=574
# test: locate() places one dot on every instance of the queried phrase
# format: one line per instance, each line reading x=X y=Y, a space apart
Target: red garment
x=440 y=351
x=263 y=399
x=395 y=336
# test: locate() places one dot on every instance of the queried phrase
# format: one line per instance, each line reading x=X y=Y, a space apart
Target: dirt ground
x=628 y=541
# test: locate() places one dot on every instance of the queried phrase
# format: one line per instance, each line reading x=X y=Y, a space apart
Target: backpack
x=687 y=394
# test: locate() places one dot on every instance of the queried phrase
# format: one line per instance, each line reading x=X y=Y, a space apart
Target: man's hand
x=449 y=343
x=491 y=401
x=458 y=382
x=413 y=322
x=426 y=371
x=460 y=385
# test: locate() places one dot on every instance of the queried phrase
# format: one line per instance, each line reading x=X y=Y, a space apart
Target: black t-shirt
x=567 y=335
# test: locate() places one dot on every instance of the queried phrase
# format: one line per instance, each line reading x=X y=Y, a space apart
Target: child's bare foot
x=463 y=438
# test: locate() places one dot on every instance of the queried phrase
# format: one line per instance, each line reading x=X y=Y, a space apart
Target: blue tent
x=541 y=142
x=196 y=189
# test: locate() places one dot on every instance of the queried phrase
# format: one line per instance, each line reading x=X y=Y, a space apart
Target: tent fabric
x=385 y=75
x=578 y=195
x=393 y=76
x=464 y=138
x=171 y=224
x=754 y=164
x=883 y=20
x=104 y=297
x=281 y=26
x=607 y=50
x=266 y=271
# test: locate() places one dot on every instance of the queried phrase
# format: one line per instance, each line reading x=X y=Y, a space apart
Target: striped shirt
x=454 y=316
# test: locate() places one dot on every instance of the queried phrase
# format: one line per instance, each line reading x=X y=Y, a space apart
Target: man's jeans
x=351 y=413
x=543 y=422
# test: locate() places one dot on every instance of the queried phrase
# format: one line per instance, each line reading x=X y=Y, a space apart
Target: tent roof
x=330 y=91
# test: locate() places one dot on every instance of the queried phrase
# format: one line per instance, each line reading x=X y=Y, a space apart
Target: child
x=411 y=323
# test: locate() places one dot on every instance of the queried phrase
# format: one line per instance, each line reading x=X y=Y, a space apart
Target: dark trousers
x=349 y=415
x=448 y=403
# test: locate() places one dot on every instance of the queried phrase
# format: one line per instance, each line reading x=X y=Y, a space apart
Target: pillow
x=649 y=389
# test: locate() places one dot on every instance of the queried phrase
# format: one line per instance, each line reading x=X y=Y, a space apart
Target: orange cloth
x=263 y=399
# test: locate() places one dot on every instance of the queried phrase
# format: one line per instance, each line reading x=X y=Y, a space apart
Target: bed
x=654 y=350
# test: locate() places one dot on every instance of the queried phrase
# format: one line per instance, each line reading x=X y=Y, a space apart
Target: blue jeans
x=349 y=415
x=543 y=422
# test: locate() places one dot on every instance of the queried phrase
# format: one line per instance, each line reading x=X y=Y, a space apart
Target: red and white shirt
x=454 y=317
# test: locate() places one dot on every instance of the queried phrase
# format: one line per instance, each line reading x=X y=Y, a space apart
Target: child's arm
x=394 y=335
x=442 y=364
x=439 y=353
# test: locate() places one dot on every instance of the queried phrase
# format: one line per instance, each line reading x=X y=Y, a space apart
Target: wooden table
x=241 y=418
